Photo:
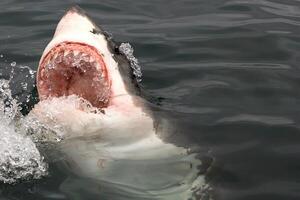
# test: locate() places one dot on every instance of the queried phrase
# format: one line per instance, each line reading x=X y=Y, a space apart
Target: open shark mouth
x=72 y=68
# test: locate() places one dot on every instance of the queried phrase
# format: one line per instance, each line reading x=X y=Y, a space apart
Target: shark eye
x=116 y=49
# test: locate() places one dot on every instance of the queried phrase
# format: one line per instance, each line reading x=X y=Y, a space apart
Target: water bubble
x=4 y=85
x=28 y=68
x=24 y=86
x=13 y=64
x=31 y=72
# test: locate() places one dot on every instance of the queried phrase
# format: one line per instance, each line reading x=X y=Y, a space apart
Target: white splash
x=19 y=157
x=127 y=50
x=119 y=150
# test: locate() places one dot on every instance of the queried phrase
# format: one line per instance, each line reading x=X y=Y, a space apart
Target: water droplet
x=24 y=86
x=13 y=64
x=5 y=86
x=31 y=72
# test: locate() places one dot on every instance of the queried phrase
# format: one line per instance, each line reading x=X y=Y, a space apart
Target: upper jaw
x=76 y=27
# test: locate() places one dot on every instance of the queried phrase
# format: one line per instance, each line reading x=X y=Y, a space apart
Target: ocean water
x=226 y=71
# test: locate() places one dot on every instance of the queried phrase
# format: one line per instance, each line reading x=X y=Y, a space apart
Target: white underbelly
x=122 y=152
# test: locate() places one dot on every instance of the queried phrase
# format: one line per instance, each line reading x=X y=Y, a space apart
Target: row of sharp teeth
x=75 y=53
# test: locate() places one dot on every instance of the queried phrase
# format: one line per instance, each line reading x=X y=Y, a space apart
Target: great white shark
x=89 y=90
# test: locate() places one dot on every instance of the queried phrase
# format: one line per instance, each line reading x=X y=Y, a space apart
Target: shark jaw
x=72 y=68
x=81 y=69
x=80 y=60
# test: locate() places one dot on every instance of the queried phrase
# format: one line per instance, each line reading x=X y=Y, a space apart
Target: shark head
x=83 y=60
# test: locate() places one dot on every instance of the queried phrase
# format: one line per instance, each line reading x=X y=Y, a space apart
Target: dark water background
x=227 y=70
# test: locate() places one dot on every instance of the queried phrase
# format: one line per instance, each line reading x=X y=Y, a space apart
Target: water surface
x=226 y=70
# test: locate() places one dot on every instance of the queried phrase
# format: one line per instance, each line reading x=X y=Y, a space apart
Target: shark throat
x=74 y=69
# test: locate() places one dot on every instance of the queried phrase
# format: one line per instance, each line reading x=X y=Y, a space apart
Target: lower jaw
x=74 y=68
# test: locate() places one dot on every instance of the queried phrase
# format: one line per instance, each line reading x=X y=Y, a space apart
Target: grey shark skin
x=115 y=153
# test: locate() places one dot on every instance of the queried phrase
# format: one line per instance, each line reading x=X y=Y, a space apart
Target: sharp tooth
x=76 y=52
x=53 y=57
x=97 y=66
x=66 y=53
x=92 y=59
x=42 y=72
x=86 y=58
x=58 y=58
x=93 y=64
x=79 y=54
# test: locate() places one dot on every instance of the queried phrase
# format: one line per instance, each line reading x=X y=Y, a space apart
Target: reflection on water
x=135 y=171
